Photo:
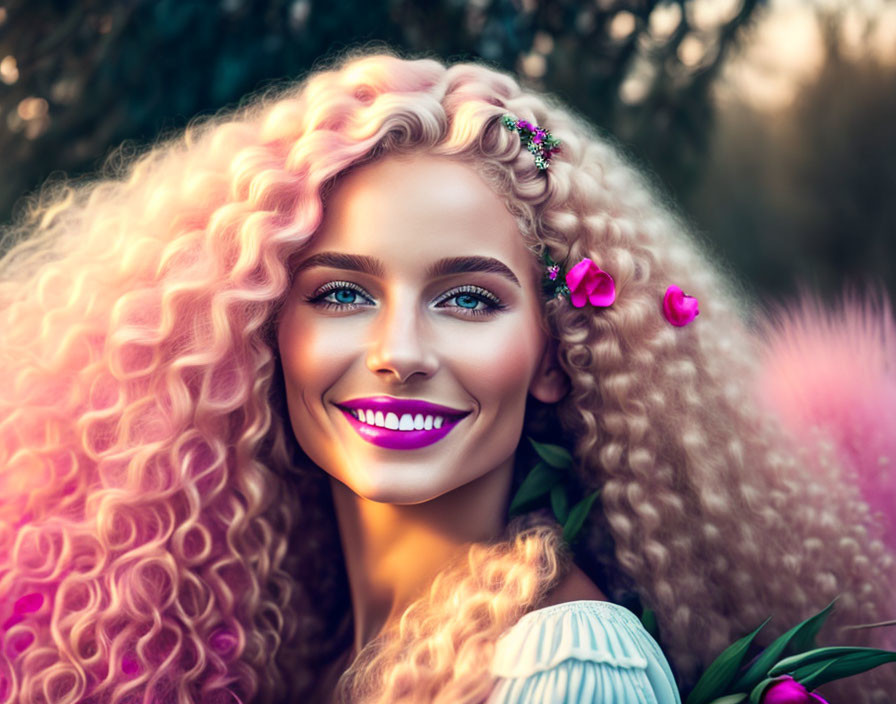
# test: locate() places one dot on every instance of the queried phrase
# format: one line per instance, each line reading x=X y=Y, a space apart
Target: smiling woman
x=461 y=340
x=266 y=397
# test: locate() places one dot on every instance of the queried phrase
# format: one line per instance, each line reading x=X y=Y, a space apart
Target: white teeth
x=393 y=421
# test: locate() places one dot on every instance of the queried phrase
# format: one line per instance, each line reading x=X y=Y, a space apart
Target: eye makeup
x=345 y=295
x=333 y=289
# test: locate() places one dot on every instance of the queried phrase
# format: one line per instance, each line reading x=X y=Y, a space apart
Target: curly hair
x=163 y=537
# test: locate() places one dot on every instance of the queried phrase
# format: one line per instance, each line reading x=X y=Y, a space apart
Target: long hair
x=163 y=538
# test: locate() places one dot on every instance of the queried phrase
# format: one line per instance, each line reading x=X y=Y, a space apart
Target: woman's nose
x=401 y=346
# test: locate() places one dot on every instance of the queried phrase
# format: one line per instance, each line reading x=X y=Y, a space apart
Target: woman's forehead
x=422 y=208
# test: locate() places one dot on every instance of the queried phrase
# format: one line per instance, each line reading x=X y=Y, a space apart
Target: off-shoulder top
x=581 y=652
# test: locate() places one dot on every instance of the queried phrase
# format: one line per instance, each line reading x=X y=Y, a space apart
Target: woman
x=196 y=506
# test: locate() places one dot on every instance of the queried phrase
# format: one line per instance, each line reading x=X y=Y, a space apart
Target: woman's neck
x=394 y=552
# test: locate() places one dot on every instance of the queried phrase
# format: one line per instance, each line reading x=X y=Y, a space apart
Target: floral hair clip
x=538 y=141
x=678 y=307
x=584 y=283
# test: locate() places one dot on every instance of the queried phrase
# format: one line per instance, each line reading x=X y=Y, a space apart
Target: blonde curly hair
x=162 y=536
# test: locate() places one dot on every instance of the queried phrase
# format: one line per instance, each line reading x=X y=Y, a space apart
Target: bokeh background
x=770 y=125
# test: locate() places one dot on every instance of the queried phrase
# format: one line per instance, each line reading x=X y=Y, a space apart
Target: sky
x=784 y=48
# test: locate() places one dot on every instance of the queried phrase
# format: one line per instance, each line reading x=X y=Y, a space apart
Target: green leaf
x=805 y=639
x=801 y=637
x=554 y=455
x=577 y=517
x=730 y=699
x=648 y=620
x=810 y=680
x=859 y=660
x=758 y=691
x=537 y=483
x=795 y=662
x=559 y=503
x=721 y=672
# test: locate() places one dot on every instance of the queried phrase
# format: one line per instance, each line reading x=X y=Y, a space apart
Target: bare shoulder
x=575 y=586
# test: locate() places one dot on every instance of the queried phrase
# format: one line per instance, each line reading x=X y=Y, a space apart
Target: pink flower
x=588 y=283
x=679 y=308
x=788 y=691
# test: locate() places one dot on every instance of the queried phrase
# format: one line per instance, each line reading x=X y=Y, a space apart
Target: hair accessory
x=679 y=308
x=540 y=143
x=584 y=283
x=588 y=283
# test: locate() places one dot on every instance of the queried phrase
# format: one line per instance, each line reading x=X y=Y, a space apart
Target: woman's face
x=412 y=333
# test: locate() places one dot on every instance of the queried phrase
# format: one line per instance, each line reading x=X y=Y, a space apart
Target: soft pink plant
x=832 y=370
x=788 y=691
x=679 y=308
x=589 y=284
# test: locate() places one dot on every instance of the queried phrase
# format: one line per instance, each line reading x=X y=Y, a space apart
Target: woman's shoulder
x=581 y=651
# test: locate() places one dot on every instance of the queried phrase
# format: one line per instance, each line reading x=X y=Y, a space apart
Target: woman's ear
x=550 y=383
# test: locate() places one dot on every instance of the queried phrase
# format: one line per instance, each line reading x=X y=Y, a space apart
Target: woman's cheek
x=499 y=363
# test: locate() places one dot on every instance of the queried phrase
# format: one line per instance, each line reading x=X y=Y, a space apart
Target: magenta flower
x=589 y=284
x=788 y=691
x=679 y=308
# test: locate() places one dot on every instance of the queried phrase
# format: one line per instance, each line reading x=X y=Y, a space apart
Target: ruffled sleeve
x=581 y=652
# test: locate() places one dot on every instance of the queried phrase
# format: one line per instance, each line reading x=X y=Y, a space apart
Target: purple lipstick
x=399 y=423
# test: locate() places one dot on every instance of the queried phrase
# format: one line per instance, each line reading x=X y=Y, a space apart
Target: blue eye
x=345 y=295
x=465 y=300
x=470 y=300
x=340 y=295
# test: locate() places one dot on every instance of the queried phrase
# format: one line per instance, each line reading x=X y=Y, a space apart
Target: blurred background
x=770 y=124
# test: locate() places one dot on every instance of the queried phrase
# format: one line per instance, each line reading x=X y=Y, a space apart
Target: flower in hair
x=537 y=140
x=679 y=308
x=589 y=284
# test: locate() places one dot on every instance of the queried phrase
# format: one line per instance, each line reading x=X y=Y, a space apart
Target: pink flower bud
x=589 y=284
x=788 y=691
x=679 y=308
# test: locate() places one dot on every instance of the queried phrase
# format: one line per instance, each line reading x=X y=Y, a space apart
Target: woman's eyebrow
x=349 y=262
x=466 y=265
x=443 y=267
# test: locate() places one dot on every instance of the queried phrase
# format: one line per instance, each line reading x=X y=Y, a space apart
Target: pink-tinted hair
x=162 y=537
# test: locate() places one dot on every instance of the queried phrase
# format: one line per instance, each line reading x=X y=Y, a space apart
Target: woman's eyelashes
x=467 y=300
x=340 y=295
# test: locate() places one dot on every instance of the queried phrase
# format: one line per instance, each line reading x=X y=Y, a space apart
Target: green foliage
x=798 y=639
x=721 y=672
x=577 y=516
x=810 y=666
x=537 y=483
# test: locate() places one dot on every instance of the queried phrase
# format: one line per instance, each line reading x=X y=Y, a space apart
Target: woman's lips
x=400 y=424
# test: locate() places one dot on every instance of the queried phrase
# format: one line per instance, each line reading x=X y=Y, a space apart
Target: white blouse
x=581 y=652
